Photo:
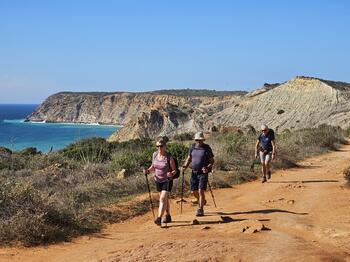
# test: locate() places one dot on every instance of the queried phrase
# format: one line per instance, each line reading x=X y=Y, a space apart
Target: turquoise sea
x=17 y=134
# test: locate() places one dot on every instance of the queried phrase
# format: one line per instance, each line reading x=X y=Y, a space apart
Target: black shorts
x=198 y=181
x=164 y=186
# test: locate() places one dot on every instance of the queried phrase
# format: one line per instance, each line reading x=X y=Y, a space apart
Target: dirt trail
x=306 y=211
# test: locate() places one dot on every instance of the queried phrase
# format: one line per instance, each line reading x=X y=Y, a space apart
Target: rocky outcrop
x=299 y=103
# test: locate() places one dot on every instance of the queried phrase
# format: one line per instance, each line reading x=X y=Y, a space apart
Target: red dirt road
x=306 y=211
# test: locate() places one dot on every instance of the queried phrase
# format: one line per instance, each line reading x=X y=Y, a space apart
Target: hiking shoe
x=158 y=221
x=167 y=219
x=263 y=180
x=269 y=174
x=200 y=212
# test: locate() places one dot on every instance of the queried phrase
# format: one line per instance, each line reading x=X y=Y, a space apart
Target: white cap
x=199 y=136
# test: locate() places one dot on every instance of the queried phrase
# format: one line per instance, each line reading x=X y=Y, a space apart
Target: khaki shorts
x=265 y=158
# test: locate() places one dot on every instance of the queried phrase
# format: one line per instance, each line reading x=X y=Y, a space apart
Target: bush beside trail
x=52 y=197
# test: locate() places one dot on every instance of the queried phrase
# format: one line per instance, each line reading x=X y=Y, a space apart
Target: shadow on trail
x=225 y=220
x=260 y=211
x=305 y=181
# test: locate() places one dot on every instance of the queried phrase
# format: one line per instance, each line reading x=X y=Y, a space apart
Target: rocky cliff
x=298 y=103
x=141 y=114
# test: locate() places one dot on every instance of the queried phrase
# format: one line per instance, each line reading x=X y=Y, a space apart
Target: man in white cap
x=266 y=148
x=202 y=158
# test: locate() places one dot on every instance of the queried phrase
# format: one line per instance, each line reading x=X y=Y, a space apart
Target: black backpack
x=177 y=174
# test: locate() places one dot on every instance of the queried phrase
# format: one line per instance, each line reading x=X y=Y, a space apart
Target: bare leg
x=263 y=169
x=267 y=166
x=196 y=195
x=163 y=203
x=168 y=205
x=201 y=198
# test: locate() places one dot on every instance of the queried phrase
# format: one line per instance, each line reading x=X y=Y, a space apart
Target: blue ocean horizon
x=16 y=134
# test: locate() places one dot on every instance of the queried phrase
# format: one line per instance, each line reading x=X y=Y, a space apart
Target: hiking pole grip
x=149 y=194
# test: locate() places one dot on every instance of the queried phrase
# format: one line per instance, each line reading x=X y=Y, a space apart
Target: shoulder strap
x=154 y=155
x=168 y=157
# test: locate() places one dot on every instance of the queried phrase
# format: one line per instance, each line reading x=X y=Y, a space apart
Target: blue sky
x=52 y=46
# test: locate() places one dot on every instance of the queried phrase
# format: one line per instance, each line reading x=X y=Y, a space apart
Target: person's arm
x=209 y=166
x=187 y=162
x=273 y=143
x=211 y=162
x=173 y=166
x=151 y=168
x=256 y=148
x=148 y=170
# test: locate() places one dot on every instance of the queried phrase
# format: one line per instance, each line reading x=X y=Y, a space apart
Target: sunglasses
x=159 y=145
x=264 y=130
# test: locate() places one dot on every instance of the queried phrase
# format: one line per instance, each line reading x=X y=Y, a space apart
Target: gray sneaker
x=200 y=212
x=263 y=180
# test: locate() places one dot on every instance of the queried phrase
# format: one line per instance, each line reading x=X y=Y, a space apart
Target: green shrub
x=123 y=161
x=184 y=136
x=30 y=151
x=178 y=151
x=347 y=132
x=29 y=216
x=131 y=145
x=91 y=150
x=13 y=162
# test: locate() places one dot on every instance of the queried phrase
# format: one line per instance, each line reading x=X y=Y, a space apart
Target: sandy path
x=307 y=212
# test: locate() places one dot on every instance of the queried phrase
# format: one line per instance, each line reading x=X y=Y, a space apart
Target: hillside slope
x=299 y=103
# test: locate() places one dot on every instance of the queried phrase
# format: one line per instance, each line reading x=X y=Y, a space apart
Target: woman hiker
x=266 y=148
x=162 y=164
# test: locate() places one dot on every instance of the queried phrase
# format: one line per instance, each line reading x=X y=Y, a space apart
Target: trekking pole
x=211 y=191
x=182 y=188
x=150 y=197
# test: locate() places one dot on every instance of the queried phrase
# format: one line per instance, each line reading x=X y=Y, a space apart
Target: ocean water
x=16 y=134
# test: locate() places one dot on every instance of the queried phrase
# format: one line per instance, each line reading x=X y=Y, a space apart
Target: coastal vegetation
x=50 y=197
x=198 y=92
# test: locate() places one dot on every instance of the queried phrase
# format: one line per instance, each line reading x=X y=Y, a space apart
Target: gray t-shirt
x=200 y=156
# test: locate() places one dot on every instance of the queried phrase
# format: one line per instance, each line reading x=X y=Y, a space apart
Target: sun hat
x=199 y=136
x=264 y=127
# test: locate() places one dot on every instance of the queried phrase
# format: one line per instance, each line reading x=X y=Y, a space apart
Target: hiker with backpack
x=265 y=148
x=163 y=165
x=202 y=158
